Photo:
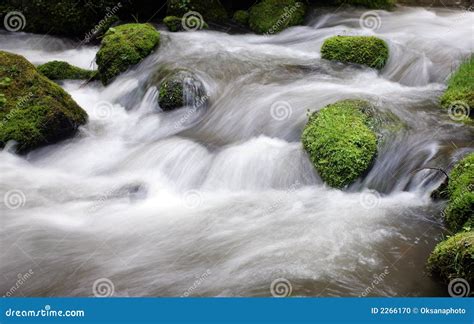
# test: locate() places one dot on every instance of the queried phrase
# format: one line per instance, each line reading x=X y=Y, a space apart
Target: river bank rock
x=272 y=16
x=459 y=96
x=460 y=209
x=124 y=46
x=175 y=24
x=179 y=89
x=454 y=258
x=208 y=10
x=340 y=141
x=59 y=70
x=365 y=50
x=35 y=110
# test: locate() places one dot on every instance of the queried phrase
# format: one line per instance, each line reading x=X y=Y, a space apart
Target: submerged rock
x=273 y=16
x=454 y=258
x=340 y=141
x=459 y=97
x=36 y=111
x=365 y=50
x=124 y=46
x=180 y=89
x=59 y=70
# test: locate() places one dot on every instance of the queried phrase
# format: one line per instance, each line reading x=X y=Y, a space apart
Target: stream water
x=222 y=200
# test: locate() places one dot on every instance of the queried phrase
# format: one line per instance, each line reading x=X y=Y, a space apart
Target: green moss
x=124 y=46
x=36 y=111
x=460 y=209
x=454 y=258
x=171 y=94
x=173 y=23
x=461 y=88
x=211 y=10
x=366 y=50
x=241 y=17
x=173 y=89
x=58 y=70
x=273 y=16
x=340 y=141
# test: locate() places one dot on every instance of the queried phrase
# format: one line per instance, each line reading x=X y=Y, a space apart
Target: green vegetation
x=241 y=17
x=173 y=23
x=460 y=207
x=273 y=16
x=124 y=46
x=340 y=141
x=460 y=90
x=59 y=70
x=454 y=258
x=35 y=110
x=211 y=10
x=366 y=50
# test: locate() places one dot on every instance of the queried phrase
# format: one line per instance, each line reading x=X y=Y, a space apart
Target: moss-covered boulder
x=365 y=50
x=340 y=141
x=241 y=17
x=454 y=258
x=210 y=10
x=460 y=208
x=181 y=88
x=459 y=97
x=124 y=46
x=36 y=111
x=273 y=16
x=59 y=70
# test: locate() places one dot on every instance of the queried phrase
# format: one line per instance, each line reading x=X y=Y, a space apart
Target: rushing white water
x=222 y=200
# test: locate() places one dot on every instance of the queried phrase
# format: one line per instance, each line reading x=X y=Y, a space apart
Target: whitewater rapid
x=223 y=201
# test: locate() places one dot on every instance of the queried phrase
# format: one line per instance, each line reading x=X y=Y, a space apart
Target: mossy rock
x=173 y=23
x=454 y=258
x=124 y=46
x=36 y=111
x=460 y=208
x=340 y=141
x=372 y=4
x=210 y=10
x=366 y=50
x=59 y=70
x=241 y=17
x=181 y=88
x=273 y=16
x=460 y=93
